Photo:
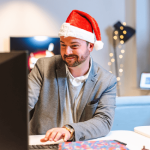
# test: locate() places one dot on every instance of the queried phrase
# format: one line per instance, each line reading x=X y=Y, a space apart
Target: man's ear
x=90 y=47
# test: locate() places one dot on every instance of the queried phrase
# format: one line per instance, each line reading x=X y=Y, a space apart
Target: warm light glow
x=111 y=54
x=116 y=32
x=120 y=56
x=124 y=23
x=120 y=70
x=121 y=36
x=115 y=37
x=122 y=51
x=121 y=28
x=121 y=65
x=110 y=71
x=112 y=60
x=109 y=63
x=41 y=38
x=124 y=32
x=118 y=78
x=122 y=42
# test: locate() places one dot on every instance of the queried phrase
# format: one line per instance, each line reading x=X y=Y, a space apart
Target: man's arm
x=34 y=84
x=102 y=120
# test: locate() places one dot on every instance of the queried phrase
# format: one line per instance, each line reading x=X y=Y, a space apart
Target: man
x=74 y=97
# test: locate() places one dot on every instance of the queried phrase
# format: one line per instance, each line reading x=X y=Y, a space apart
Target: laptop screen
x=13 y=101
x=145 y=81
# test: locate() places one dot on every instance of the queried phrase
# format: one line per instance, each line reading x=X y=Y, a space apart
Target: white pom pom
x=98 y=45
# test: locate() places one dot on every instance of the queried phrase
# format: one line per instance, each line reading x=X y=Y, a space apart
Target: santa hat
x=81 y=25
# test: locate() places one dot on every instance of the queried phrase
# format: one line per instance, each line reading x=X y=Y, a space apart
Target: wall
x=143 y=39
x=129 y=82
x=44 y=17
x=41 y=17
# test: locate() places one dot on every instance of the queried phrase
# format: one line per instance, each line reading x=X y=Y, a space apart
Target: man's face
x=74 y=51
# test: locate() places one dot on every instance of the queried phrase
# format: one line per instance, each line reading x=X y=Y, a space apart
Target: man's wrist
x=71 y=130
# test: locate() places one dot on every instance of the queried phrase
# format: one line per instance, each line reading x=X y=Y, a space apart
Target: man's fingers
x=58 y=136
x=52 y=136
x=67 y=137
x=48 y=134
x=43 y=140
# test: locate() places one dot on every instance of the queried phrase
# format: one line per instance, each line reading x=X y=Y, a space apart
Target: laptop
x=13 y=101
x=14 y=105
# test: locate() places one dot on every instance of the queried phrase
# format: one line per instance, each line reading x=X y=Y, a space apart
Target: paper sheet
x=143 y=130
x=35 y=140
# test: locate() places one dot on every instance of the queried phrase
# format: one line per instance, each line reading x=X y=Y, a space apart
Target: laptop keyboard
x=52 y=146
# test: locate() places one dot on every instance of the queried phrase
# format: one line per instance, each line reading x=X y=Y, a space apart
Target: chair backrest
x=131 y=112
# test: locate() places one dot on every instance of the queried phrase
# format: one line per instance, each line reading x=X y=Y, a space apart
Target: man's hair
x=87 y=43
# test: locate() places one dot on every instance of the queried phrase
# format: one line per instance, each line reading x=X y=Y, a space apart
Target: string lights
x=112 y=60
x=121 y=33
x=120 y=46
x=121 y=50
x=120 y=56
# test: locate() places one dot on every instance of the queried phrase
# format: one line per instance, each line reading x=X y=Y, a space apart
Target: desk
x=133 y=140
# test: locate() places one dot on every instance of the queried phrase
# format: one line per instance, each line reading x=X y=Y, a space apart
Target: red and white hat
x=81 y=25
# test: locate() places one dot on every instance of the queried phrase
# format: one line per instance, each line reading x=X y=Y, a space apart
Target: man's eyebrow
x=71 y=42
x=75 y=43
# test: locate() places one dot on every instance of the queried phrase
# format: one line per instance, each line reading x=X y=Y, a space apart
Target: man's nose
x=68 y=50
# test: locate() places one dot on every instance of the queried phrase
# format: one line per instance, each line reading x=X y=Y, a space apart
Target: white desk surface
x=133 y=140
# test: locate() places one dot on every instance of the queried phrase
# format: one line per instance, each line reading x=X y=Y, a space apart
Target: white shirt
x=74 y=92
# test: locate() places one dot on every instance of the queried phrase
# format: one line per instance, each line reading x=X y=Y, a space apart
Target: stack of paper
x=143 y=130
x=35 y=140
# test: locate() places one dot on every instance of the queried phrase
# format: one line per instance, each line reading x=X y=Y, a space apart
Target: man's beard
x=77 y=60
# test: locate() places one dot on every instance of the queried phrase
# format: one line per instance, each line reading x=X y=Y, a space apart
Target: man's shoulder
x=47 y=64
x=100 y=69
x=53 y=59
x=102 y=73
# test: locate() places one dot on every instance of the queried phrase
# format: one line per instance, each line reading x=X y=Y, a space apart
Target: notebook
x=93 y=145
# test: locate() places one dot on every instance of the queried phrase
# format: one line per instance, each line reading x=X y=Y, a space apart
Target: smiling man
x=74 y=97
x=70 y=50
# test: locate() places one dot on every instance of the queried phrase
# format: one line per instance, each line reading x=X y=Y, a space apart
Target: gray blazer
x=47 y=90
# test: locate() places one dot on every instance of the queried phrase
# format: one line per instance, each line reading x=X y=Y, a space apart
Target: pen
x=120 y=142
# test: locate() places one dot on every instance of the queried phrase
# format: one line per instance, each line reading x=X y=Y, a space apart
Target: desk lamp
x=125 y=33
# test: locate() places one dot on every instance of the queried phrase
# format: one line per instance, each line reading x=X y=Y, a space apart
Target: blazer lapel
x=62 y=82
x=89 y=85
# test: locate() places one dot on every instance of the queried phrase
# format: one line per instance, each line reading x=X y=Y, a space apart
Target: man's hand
x=56 y=134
